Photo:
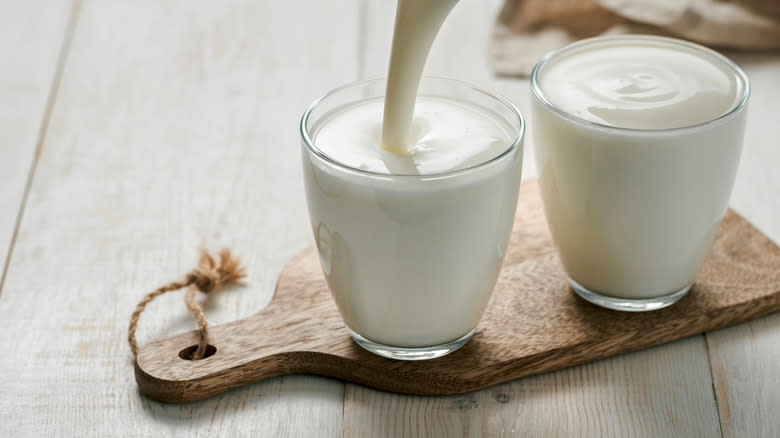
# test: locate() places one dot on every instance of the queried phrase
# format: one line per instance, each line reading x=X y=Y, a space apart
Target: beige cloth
x=527 y=29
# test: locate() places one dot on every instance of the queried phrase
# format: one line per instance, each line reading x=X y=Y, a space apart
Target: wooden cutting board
x=533 y=324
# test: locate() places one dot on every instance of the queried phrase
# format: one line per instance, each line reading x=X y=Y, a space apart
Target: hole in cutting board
x=187 y=353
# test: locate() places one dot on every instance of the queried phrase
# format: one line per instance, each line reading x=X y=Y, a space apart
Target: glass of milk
x=637 y=142
x=411 y=244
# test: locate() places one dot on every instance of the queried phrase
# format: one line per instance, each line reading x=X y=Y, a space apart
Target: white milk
x=447 y=135
x=633 y=211
x=416 y=24
x=412 y=258
x=648 y=86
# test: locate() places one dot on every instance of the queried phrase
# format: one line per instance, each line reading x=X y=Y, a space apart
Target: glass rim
x=513 y=146
x=736 y=107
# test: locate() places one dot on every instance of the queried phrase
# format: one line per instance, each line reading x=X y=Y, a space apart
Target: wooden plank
x=32 y=36
x=644 y=394
x=744 y=358
x=175 y=126
x=672 y=382
x=744 y=367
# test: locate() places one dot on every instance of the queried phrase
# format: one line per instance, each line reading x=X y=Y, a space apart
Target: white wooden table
x=131 y=132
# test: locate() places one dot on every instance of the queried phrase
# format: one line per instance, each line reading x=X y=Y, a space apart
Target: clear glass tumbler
x=633 y=212
x=411 y=260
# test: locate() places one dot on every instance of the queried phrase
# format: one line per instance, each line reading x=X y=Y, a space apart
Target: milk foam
x=446 y=135
x=643 y=85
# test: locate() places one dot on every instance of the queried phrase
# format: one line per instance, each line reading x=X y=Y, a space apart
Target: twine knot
x=205 y=280
x=209 y=275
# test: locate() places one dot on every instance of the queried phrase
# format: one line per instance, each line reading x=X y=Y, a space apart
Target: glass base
x=410 y=353
x=627 y=304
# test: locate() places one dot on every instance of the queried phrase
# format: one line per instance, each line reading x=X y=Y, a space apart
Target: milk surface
x=446 y=135
x=634 y=212
x=412 y=260
x=640 y=86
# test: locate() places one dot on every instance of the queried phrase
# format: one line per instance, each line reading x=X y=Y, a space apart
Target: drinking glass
x=411 y=260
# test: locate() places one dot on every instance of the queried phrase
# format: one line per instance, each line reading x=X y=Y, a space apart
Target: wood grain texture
x=744 y=363
x=175 y=126
x=33 y=38
x=744 y=359
x=533 y=323
x=644 y=394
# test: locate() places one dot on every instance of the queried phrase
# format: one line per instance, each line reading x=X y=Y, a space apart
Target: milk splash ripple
x=640 y=86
